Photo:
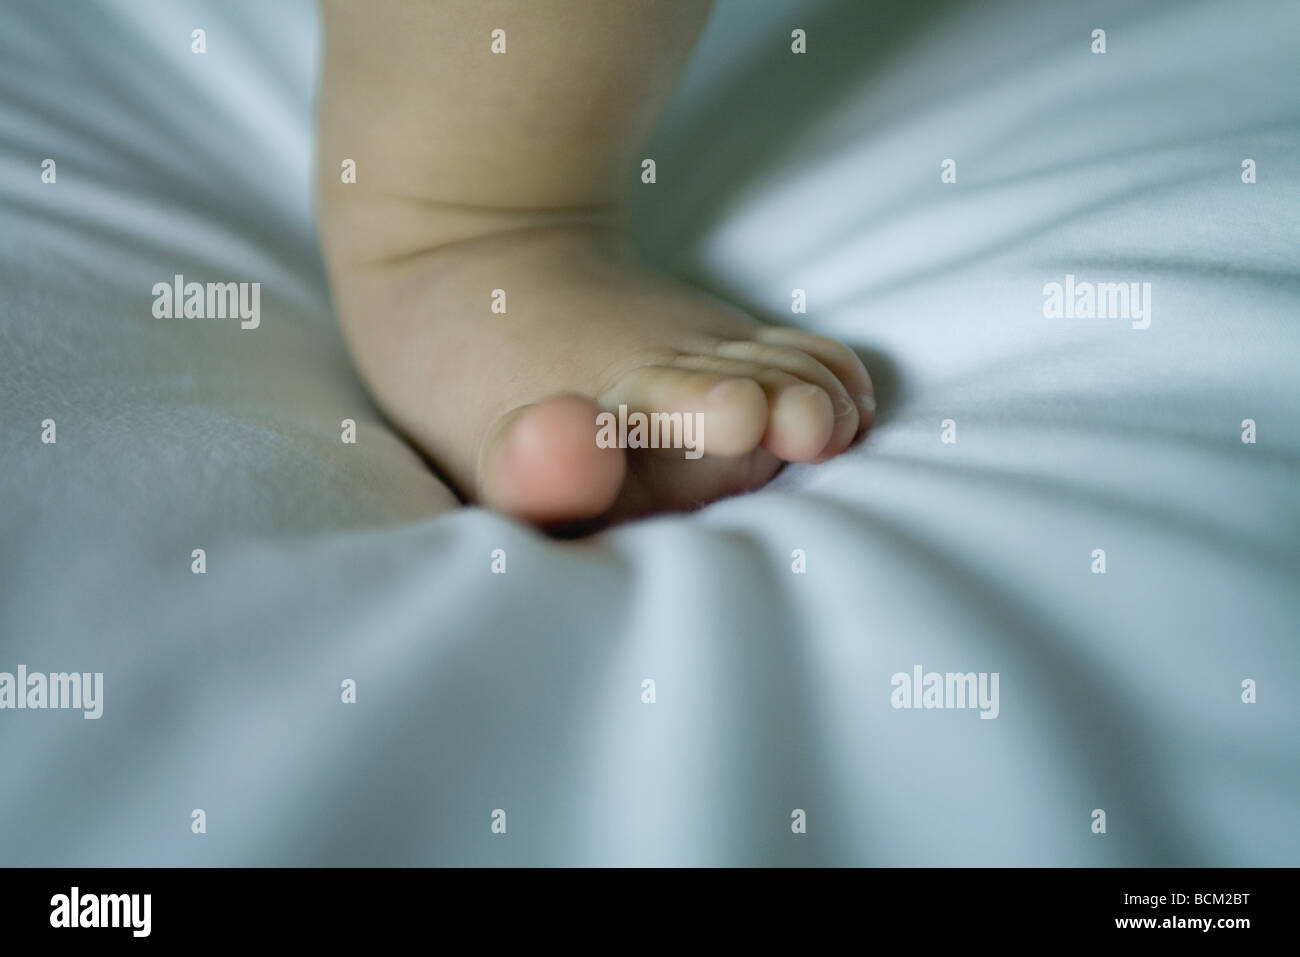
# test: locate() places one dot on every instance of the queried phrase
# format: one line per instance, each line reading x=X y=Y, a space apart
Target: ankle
x=360 y=227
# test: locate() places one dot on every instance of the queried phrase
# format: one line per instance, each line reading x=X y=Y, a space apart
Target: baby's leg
x=482 y=282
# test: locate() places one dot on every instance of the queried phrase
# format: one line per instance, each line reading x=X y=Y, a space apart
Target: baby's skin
x=484 y=285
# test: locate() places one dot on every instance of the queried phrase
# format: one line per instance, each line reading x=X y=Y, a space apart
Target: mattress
x=1073 y=275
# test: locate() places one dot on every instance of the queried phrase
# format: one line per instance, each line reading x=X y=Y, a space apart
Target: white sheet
x=522 y=691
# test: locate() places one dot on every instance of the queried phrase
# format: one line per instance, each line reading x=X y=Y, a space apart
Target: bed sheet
x=774 y=690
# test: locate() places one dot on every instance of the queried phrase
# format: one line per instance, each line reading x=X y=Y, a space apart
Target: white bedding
x=523 y=692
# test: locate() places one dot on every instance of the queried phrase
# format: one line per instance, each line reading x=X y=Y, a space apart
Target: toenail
x=867 y=402
x=842 y=406
x=729 y=390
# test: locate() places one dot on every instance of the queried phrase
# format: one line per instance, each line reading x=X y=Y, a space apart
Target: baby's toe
x=541 y=463
x=798 y=363
x=733 y=409
x=801 y=424
x=802 y=418
x=842 y=361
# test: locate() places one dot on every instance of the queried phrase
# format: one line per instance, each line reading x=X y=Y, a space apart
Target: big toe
x=541 y=463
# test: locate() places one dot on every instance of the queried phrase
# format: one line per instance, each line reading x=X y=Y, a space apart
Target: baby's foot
x=506 y=404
